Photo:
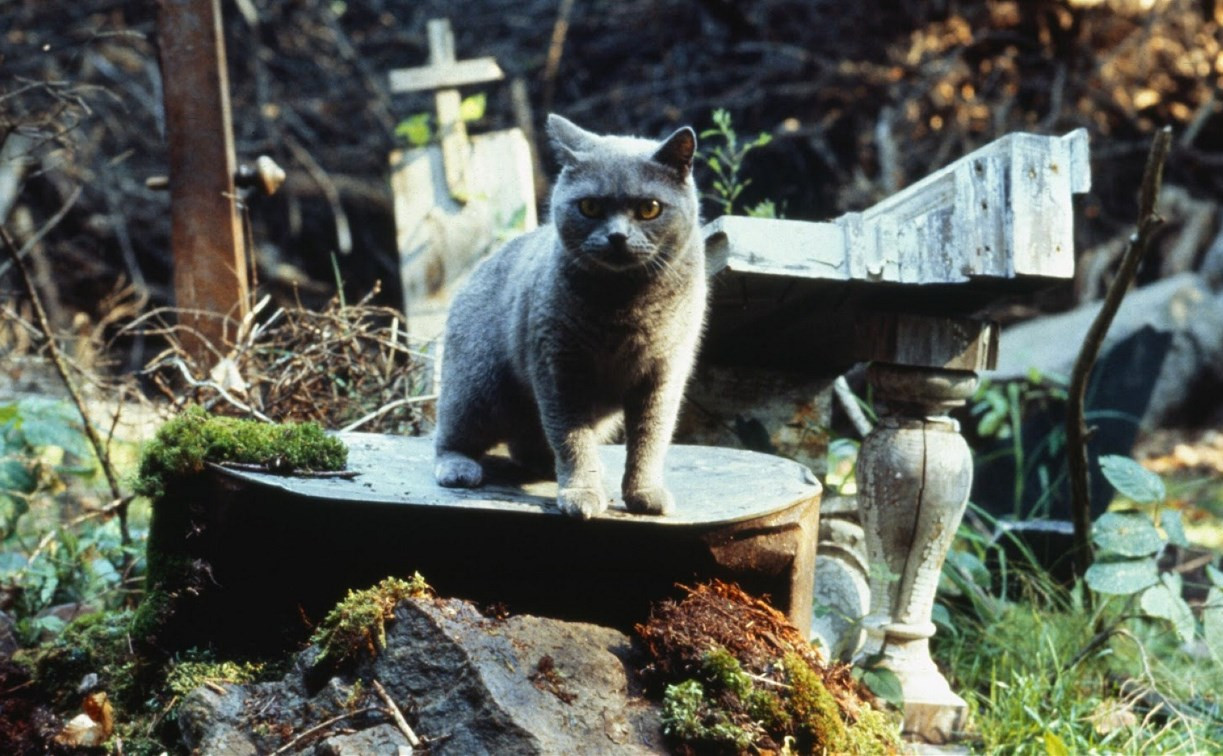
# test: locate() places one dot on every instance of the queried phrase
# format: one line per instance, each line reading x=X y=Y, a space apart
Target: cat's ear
x=568 y=138
x=677 y=150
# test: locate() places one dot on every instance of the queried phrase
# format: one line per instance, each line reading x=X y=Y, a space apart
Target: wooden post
x=445 y=74
x=210 y=268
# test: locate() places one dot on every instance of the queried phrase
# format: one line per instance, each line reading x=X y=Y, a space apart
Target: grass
x=1036 y=683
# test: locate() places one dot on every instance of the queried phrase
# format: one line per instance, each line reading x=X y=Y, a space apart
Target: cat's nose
x=618 y=242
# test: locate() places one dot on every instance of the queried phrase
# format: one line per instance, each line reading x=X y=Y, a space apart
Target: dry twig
x=1076 y=424
x=397 y=715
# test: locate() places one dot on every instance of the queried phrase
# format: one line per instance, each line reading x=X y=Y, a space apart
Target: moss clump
x=185 y=676
x=357 y=625
x=726 y=710
x=688 y=716
x=183 y=445
x=94 y=643
x=816 y=713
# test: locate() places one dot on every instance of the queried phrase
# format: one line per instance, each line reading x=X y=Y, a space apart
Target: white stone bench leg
x=914 y=474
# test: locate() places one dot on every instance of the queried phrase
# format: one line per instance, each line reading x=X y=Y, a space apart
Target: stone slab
x=712 y=486
x=279 y=551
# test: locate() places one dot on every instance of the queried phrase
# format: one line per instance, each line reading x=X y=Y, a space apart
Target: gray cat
x=589 y=321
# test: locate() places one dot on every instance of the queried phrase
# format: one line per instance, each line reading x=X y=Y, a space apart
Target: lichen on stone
x=357 y=625
x=183 y=445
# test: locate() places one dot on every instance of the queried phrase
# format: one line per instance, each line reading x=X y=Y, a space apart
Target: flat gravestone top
x=711 y=485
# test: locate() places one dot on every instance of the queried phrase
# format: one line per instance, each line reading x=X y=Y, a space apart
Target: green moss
x=689 y=717
x=95 y=643
x=875 y=732
x=727 y=710
x=185 y=676
x=815 y=711
x=151 y=616
x=183 y=445
x=357 y=625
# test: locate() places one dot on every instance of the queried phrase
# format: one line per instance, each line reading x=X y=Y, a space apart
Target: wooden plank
x=1002 y=212
x=210 y=267
x=451 y=75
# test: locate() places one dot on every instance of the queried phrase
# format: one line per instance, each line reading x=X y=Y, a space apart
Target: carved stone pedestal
x=914 y=472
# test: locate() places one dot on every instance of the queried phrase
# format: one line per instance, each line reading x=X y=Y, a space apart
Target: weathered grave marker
x=454 y=199
x=896 y=285
x=210 y=266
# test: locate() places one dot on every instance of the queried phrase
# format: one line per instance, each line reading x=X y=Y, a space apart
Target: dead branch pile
x=679 y=634
x=860 y=102
x=347 y=367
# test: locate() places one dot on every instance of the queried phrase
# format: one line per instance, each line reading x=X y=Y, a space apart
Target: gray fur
x=564 y=333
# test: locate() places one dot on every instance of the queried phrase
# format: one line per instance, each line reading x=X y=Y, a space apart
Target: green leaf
x=1127 y=534
x=1132 y=480
x=1216 y=577
x=472 y=108
x=49 y=422
x=415 y=130
x=1212 y=622
x=1161 y=602
x=1170 y=521
x=1122 y=578
x=884 y=683
x=1054 y=745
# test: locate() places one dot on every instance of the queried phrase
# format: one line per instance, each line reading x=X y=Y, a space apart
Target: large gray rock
x=1183 y=306
x=468 y=684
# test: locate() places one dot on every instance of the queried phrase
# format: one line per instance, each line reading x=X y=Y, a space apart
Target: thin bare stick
x=387 y=408
x=61 y=367
x=853 y=410
x=397 y=715
x=322 y=726
x=1076 y=424
x=556 y=46
x=51 y=223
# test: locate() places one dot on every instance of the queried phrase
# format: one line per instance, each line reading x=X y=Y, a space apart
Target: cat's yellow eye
x=649 y=209
x=591 y=208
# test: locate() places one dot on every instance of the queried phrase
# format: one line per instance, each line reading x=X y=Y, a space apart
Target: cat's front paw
x=582 y=502
x=454 y=470
x=652 y=501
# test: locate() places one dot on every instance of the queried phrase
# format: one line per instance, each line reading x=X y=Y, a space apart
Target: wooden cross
x=210 y=263
x=444 y=75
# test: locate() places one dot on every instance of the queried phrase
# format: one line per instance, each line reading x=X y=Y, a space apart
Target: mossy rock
x=356 y=627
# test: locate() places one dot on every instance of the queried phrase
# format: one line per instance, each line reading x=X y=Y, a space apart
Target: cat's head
x=623 y=203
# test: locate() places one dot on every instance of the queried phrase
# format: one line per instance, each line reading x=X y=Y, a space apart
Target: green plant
x=356 y=626
x=418 y=129
x=725 y=160
x=1046 y=671
x=53 y=551
x=1128 y=547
